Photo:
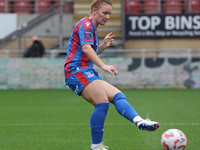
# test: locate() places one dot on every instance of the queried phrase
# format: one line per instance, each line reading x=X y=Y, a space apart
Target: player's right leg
x=87 y=84
x=95 y=94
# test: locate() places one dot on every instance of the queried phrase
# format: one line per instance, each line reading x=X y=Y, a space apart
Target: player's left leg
x=126 y=110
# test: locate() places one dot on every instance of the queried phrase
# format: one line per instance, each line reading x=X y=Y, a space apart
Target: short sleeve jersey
x=84 y=33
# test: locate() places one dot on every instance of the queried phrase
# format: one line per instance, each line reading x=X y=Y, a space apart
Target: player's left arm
x=108 y=40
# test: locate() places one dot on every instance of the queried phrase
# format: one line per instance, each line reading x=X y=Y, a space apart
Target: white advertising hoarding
x=8 y=24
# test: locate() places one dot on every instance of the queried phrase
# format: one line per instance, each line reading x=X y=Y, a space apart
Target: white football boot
x=147 y=124
x=100 y=147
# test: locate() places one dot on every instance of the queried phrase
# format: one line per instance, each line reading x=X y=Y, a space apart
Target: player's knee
x=101 y=99
x=104 y=104
x=119 y=96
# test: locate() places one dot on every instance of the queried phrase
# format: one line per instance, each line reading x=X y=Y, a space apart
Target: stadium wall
x=48 y=73
x=49 y=34
x=48 y=31
x=50 y=28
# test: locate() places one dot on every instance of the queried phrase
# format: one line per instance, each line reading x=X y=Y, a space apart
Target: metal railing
x=28 y=26
x=134 y=53
x=21 y=30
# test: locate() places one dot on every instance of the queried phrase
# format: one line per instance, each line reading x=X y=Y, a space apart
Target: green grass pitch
x=59 y=119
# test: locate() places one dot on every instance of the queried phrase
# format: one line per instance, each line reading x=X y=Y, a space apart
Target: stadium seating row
x=131 y=6
x=29 y=7
x=168 y=6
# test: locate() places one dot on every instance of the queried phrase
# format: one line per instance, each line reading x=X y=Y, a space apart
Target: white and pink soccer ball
x=173 y=139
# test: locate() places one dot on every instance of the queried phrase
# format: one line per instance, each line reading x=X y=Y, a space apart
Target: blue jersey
x=84 y=33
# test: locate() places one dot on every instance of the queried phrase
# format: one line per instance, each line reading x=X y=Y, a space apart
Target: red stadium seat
x=173 y=12
x=195 y=6
x=3 y=7
x=42 y=6
x=172 y=7
x=22 y=7
x=150 y=7
x=133 y=7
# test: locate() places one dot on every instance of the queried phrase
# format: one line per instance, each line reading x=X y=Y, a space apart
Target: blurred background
x=156 y=44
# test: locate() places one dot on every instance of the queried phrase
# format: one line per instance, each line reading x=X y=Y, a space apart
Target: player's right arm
x=92 y=56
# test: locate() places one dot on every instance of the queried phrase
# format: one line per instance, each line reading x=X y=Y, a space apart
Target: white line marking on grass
x=181 y=124
x=87 y=124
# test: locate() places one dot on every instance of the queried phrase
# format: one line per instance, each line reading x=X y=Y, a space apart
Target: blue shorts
x=81 y=79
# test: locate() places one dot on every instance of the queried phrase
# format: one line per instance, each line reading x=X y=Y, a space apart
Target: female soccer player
x=82 y=52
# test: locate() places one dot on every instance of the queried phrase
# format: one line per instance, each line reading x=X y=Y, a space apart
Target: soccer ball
x=173 y=139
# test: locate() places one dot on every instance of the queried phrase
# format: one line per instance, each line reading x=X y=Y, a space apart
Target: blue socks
x=97 y=121
x=123 y=107
x=99 y=114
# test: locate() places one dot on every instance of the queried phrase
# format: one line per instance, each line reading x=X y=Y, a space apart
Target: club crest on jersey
x=89 y=74
x=87 y=34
